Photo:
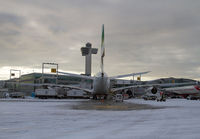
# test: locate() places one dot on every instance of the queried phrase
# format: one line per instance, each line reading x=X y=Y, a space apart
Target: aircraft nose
x=197 y=87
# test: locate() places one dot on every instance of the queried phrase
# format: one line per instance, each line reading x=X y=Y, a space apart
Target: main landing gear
x=99 y=97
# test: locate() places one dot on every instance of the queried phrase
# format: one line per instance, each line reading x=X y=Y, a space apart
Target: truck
x=74 y=93
x=4 y=92
x=60 y=93
x=119 y=98
x=161 y=96
x=50 y=93
x=17 y=95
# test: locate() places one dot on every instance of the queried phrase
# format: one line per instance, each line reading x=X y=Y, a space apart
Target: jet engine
x=130 y=93
x=152 y=90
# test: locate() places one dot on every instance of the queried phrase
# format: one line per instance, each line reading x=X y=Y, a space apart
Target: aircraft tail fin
x=102 y=50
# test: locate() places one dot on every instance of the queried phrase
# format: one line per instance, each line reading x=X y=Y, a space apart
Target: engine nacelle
x=130 y=93
x=152 y=90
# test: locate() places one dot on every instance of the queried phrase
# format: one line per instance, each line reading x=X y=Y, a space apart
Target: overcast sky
x=162 y=36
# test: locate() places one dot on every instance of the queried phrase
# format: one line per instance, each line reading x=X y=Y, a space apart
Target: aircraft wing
x=153 y=85
x=76 y=75
x=53 y=85
x=128 y=87
x=128 y=75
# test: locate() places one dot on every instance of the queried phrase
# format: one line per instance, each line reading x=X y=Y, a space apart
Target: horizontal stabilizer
x=153 y=85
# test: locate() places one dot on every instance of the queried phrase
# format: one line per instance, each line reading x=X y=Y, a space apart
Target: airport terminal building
x=36 y=78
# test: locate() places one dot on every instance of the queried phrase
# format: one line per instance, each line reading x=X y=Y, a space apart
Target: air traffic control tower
x=87 y=51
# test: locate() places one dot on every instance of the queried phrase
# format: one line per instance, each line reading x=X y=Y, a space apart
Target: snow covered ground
x=54 y=119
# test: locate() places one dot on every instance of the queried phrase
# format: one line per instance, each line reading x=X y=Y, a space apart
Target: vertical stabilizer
x=102 y=50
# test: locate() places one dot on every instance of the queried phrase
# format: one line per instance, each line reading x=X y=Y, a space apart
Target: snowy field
x=50 y=119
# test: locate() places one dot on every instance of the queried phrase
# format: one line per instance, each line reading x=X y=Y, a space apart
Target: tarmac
x=110 y=105
x=53 y=118
x=100 y=105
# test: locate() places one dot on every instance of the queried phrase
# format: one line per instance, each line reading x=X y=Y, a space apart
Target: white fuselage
x=101 y=85
x=193 y=89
